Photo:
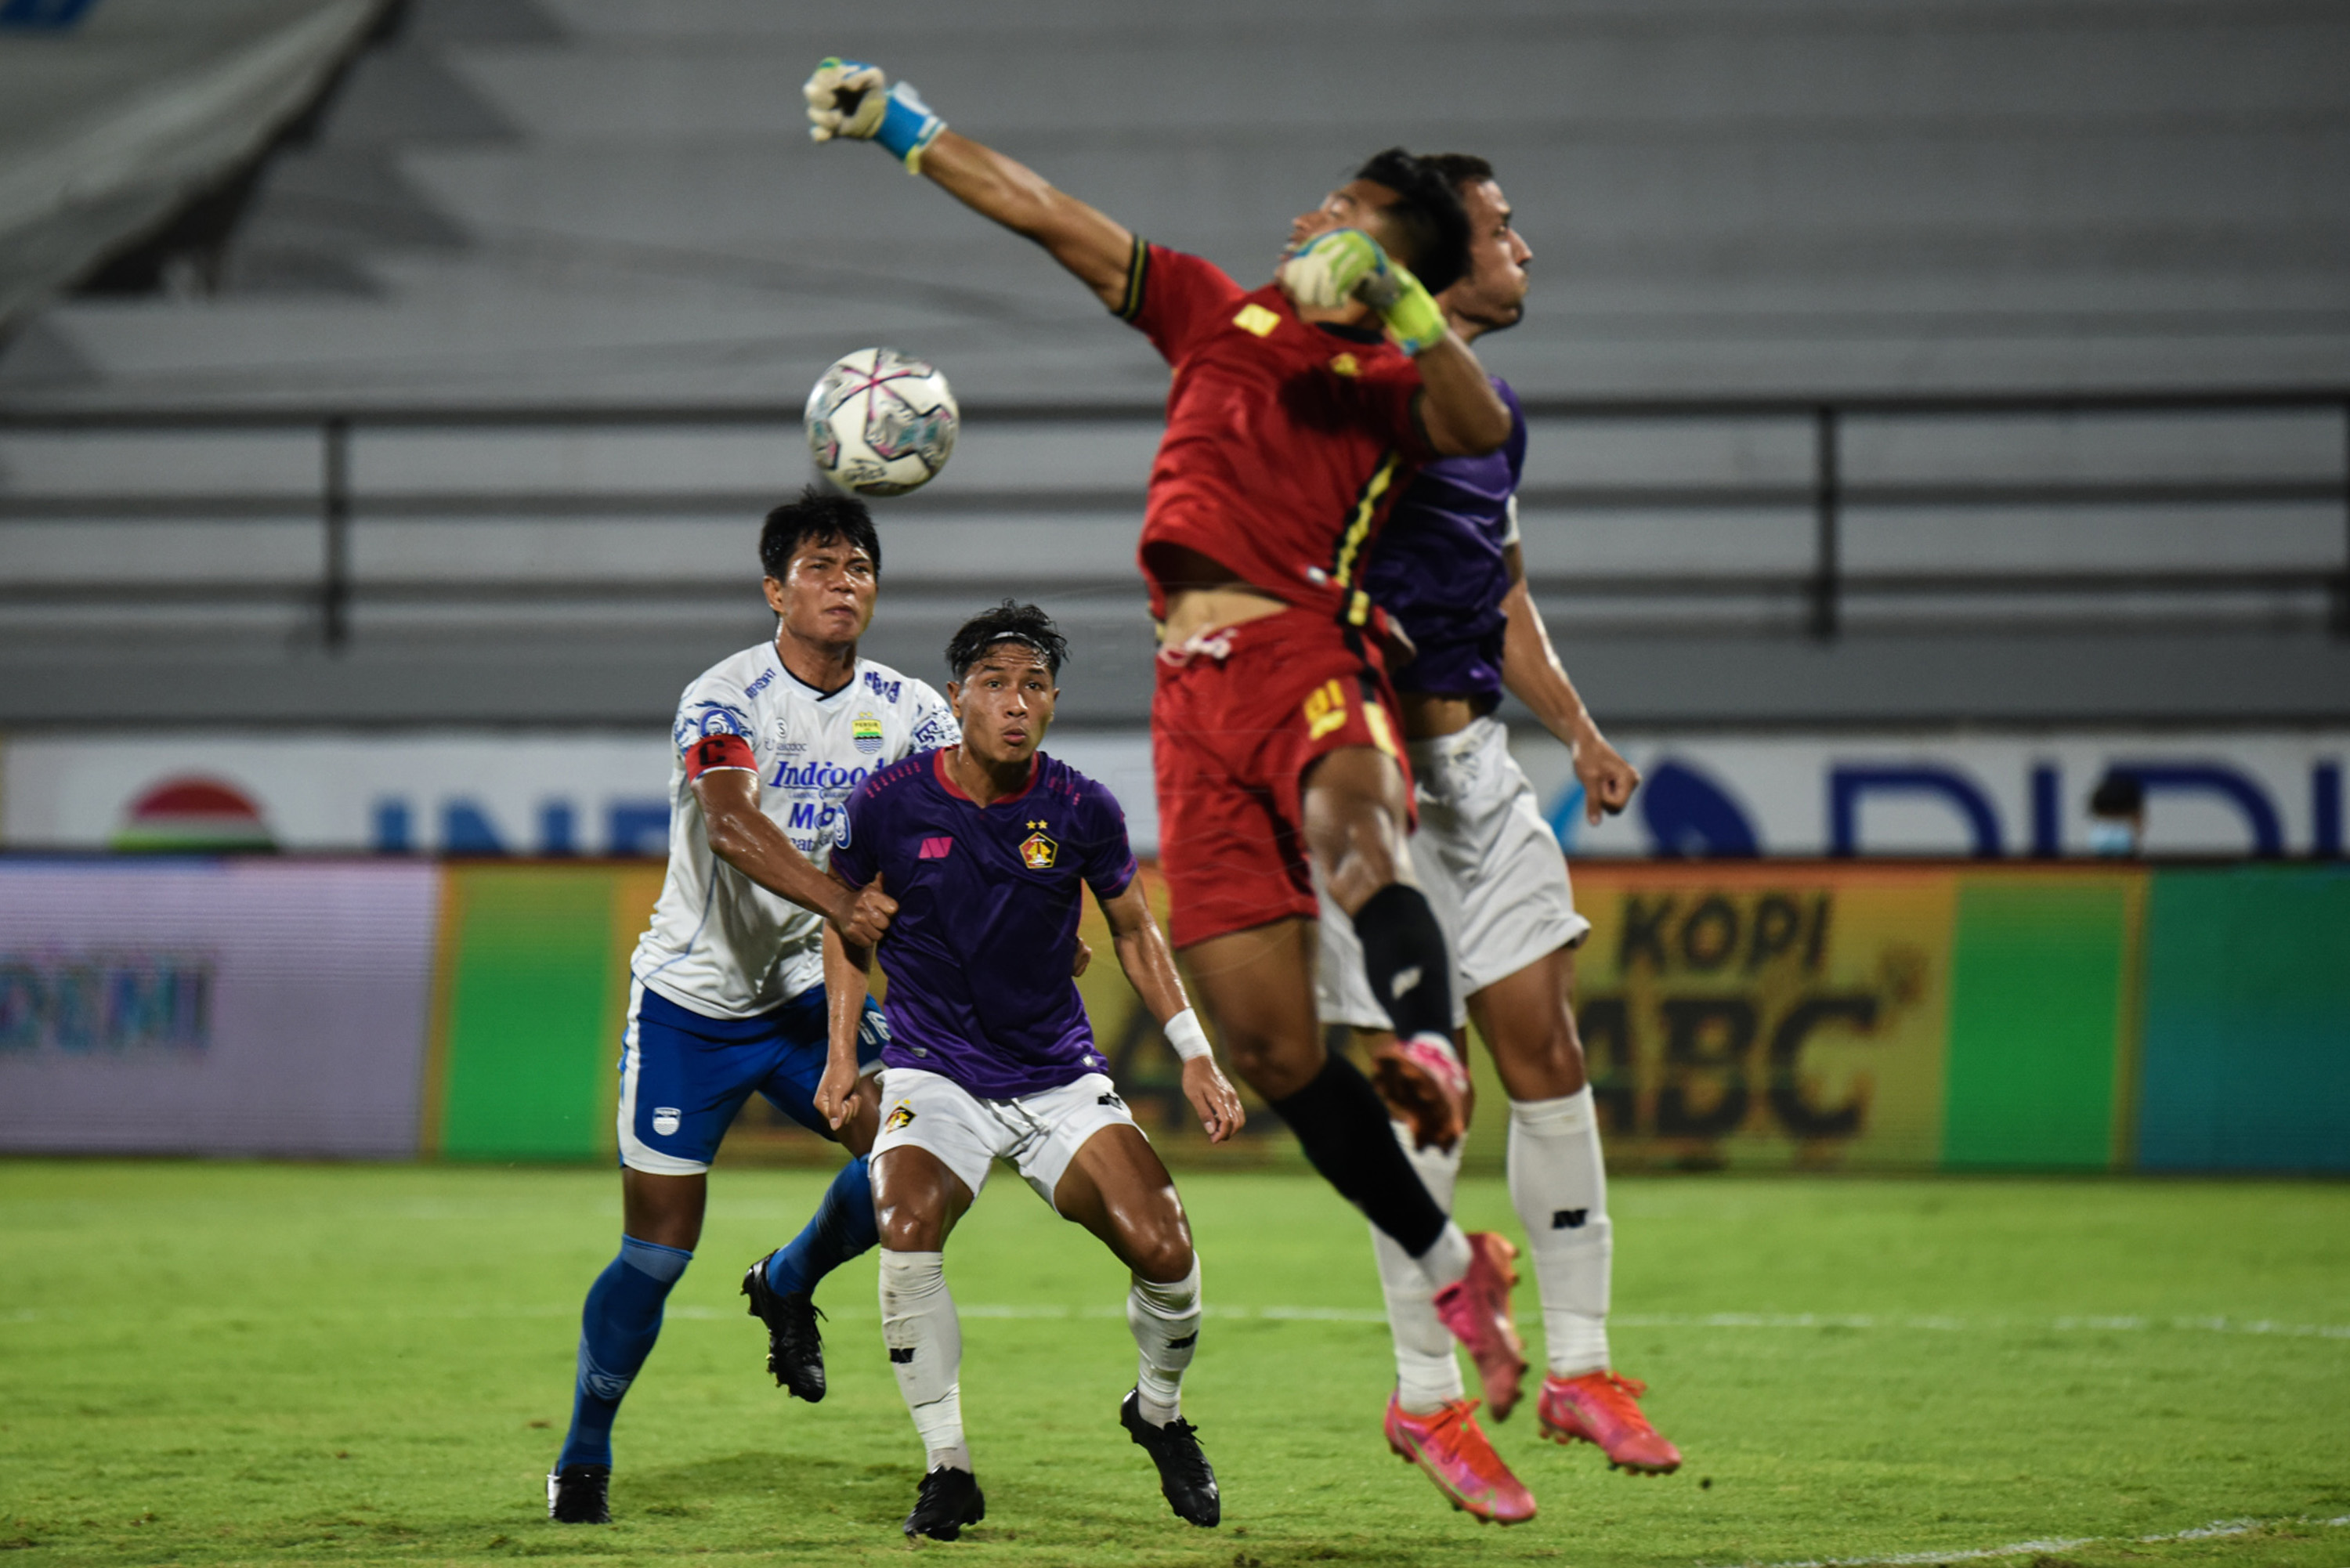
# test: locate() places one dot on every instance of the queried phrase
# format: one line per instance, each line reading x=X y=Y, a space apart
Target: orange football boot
x=1476 y=1308
x=1424 y=1084
x=1451 y=1447
x=1600 y=1408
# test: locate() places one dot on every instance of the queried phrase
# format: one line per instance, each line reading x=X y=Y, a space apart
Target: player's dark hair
x=1007 y=622
x=1427 y=215
x=819 y=516
x=1460 y=170
x=2119 y=794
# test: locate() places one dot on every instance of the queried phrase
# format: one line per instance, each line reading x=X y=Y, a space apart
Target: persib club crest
x=867 y=731
x=1037 y=851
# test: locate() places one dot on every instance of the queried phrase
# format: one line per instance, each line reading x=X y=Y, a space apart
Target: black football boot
x=949 y=1500
x=795 y=1346
x=580 y=1494
x=1184 y=1473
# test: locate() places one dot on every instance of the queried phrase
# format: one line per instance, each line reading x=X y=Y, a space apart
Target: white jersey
x=719 y=943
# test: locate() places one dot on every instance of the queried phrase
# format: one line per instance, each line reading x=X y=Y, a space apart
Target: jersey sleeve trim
x=1137 y=273
x=719 y=753
x=1115 y=883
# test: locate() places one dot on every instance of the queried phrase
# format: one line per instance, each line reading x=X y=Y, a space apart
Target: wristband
x=908 y=126
x=1184 y=1034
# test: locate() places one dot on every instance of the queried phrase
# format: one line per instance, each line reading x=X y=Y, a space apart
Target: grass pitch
x=225 y=1362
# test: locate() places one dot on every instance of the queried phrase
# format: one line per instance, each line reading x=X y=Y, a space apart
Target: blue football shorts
x=683 y=1076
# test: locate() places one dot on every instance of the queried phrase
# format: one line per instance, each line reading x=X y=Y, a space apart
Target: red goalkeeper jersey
x=1286 y=442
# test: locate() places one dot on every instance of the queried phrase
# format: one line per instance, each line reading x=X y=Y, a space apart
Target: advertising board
x=214 y=1006
x=1809 y=1016
x=586 y=792
x=1981 y=794
x=1765 y=1014
x=1883 y=793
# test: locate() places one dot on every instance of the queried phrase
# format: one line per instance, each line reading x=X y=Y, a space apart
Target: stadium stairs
x=510 y=204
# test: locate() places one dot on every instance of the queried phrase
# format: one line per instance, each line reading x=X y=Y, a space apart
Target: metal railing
x=1828 y=495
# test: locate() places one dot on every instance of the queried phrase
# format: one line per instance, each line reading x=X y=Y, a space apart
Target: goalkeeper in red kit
x=1297 y=412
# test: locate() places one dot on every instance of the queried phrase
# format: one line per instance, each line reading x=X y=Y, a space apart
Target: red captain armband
x=719 y=751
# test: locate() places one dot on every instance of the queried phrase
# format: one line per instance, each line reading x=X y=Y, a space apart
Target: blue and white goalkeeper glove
x=846 y=99
x=1332 y=268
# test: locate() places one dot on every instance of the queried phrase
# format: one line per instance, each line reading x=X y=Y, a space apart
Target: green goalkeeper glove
x=1347 y=264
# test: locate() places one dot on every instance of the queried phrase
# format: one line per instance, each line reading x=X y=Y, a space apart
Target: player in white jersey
x=726 y=993
x=720 y=943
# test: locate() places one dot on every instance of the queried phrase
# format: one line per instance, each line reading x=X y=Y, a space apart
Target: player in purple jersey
x=1449 y=571
x=986 y=849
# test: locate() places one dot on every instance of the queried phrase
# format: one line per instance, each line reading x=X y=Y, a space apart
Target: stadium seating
x=562 y=201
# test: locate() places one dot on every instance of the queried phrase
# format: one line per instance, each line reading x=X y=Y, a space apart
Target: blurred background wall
x=509 y=203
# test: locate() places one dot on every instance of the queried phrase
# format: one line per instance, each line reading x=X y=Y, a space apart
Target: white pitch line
x=2264 y=1327
x=1670 y=1319
x=2214 y=1530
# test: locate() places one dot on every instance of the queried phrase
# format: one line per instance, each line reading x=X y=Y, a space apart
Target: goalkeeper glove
x=845 y=98
x=1347 y=264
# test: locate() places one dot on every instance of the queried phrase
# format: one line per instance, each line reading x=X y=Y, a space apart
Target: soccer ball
x=881 y=422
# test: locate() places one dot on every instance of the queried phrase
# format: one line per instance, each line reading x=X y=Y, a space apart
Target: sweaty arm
x=1096 y=248
x=847 y=977
x=1532 y=670
x=748 y=839
x=855 y=99
x=1461 y=413
x=1150 y=966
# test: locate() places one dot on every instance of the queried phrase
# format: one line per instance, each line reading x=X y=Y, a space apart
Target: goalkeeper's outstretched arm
x=1092 y=244
x=848 y=97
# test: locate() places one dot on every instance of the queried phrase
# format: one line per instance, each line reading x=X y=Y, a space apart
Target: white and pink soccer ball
x=881 y=422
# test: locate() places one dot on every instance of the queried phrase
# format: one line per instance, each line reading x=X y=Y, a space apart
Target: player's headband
x=1019 y=636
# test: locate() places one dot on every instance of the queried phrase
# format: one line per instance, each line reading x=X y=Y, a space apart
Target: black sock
x=1405 y=959
x=1343 y=1125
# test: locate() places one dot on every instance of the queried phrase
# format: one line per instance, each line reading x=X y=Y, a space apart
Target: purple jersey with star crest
x=1438 y=570
x=988 y=899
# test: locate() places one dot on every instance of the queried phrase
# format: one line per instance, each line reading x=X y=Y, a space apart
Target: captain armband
x=1183 y=1032
x=717 y=753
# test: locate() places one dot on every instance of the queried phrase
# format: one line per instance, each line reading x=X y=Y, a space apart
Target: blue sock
x=617 y=1331
x=841 y=1227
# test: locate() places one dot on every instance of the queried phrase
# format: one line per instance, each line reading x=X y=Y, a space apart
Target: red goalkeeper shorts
x=1238 y=716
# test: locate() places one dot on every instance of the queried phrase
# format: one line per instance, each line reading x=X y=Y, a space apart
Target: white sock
x=1447 y=1258
x=925 y=1339
x=1428 y=1376
x=1560 y=1189
x=1165 y=1319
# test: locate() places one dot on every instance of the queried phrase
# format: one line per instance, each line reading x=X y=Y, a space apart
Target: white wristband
x=1183 y=1032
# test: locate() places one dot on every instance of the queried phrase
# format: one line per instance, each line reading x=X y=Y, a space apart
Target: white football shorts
x=1489 y=865
x=1038 y=1134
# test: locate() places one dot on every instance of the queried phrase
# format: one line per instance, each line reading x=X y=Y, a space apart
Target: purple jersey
x=1438 y=570
x=988 y=899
